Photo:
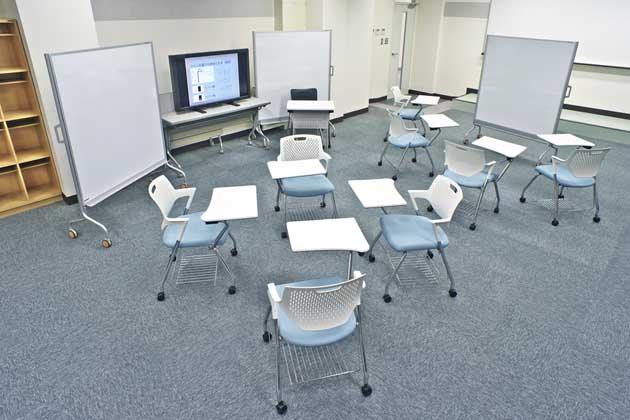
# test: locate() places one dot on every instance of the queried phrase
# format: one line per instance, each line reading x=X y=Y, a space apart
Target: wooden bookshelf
x=28 y=177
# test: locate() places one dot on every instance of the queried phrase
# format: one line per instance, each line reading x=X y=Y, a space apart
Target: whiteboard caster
x=106 y=243
x=72 y=234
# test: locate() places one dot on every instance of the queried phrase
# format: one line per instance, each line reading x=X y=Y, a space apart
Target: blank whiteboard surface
x=109 y=105
x=290 y=60
x=523 y=84
x=600 y=26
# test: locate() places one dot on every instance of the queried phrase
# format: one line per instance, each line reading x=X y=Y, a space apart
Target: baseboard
x=70 y=200
x=419 y=92
x=379 y=99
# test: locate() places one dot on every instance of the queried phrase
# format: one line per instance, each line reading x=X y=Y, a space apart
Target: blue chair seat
x=474 y=181
x=292 y=333
x=197 y=233
x=406 y=232
x=307 y=186
x=411 y=139
x=565 y=177
x=409 y=114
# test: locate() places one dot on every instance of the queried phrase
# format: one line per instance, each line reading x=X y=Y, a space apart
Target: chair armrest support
x=555 y=161
x=274 y=299
x=415 y=194
x=435 y=224
x=186 y=192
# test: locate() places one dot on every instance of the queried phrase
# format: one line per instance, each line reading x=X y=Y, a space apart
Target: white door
x=399 y=28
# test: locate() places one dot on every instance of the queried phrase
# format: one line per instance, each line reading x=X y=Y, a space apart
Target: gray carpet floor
x=540 y=329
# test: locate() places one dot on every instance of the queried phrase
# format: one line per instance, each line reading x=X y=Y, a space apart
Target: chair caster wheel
x=366 y=390
x=281 y=407
x=232 y=290
x=161 y=296
x=452 y=293
x=395 y=178
x=430 y=209
x=387 y=298
x=561 y=196
x=555 y=222
x=522 y=199
x=371 y=258
x=361 y=254
x=267 y=336
x=379 y=163
x=472 y=226
x=283 y=235
x=72 y=234
x=431 y=174
x=496 y=210
x=596 y=219
x=234 y=252
x=430 y=254
x=276 y=208
x=414 y=160
x=322 y=204
x=385 y=140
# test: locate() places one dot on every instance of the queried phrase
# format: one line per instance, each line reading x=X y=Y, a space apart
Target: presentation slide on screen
x=212 y=78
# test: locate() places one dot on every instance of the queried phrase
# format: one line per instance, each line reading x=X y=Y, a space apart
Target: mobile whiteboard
x=107 y=101
x=523 y=84
x=290 y=60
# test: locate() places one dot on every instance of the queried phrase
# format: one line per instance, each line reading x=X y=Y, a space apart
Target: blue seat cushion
x=411 y=139
x=474 y=181
x=409 y=113
x=307 y=186
x=197 y=233
x=405 y=232
x=565 y=177
x=291 y=332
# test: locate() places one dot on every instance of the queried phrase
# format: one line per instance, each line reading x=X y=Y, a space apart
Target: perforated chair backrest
x=300 y=147
x=445 y=196
x=163 y=194
x=396 y=125
x=585 y=163
x=463 y=160
x=398 y=96
x=309 y=94
x=323 y=307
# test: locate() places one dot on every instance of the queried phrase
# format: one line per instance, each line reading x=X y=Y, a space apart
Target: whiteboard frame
x=92 y=201
x=331 y=69
x=532 y=136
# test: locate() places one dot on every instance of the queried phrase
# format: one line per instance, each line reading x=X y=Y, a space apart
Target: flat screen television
x=208 y=78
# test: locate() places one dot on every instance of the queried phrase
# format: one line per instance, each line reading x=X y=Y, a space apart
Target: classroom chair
x=468 y=167
x=187 y=230
x=408 y=233
x=309 y=94
x=579 y=170
x=402 y=137
x=302 y=147
x=407 y=114
x=313 y=314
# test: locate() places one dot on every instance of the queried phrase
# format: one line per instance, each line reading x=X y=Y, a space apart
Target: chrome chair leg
x=426 y=149
x=496 y=190
x=473 y=225
x=596 y=219
x=234 y=250
x=232 y=288
x=171 y=259
x=277 y=207
x=531 y=181
x=451 y=291
x=402 y=159
x=281 y=407
x=556 y=202
x=370 y=253
x=323 y=202
x=380 y=161
x=266 y=333
x=283 y=234
x=386 y=297
x=366 y=389
x=415 y=156
x=561 y=195
x=335 y=213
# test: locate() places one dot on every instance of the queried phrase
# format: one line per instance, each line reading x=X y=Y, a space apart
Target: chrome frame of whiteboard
x=67 y=142
x=530 y=136
x=331 y=69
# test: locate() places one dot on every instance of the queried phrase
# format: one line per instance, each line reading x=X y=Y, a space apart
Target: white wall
x=359 y=55
x=382 y=13
x=424 y=62
x=293 y=15
x=176 y=36
x=52 y=26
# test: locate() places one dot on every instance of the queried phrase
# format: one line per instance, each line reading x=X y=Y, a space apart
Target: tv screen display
x=204 y=79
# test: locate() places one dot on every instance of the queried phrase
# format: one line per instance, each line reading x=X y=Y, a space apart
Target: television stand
x=201 y=111
x=233 y=103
